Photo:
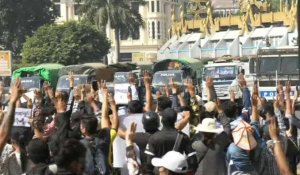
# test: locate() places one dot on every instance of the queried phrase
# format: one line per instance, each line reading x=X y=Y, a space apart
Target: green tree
x=118 y=13
x=19 y=19
x=70 y=43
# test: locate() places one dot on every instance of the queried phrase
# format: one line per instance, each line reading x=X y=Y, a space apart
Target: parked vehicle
x=274 y=66
x=179 y=69
x=225 y=77
x=84 y=74
x=33 y=77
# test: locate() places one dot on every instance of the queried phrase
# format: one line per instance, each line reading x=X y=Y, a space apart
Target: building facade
x=141 y=47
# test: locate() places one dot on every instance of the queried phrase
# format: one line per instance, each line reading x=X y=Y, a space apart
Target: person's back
x=97 y=148
x=151 y=122
x=211 y=148
x=163 y=141
x=38 y=153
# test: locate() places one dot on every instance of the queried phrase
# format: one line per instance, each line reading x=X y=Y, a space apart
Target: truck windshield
x=63 y=82
x=30 y=83
x=284 y=65
x=120 y=78
x=164 y=78
x=220 y=72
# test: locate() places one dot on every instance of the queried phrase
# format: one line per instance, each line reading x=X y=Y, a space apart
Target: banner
x=22 y=117
x=138 y=57
x=5 y=63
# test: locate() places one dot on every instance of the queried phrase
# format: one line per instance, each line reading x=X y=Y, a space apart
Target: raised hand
x=71 y=79
x=131 y=78
x=130 y=133
x=276 y=104
x=209 y=82
x=174 y=87
x=16 y=91
x=111 y=99
x=273 y=129
x=147 y=78
x=191 y=88
x=288 y=88
x=255 y=95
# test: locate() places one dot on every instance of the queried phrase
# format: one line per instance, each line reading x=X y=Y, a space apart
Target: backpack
x=96 y=160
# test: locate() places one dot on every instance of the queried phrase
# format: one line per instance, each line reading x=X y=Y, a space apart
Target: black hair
x=163 y=103
x=135 y=107
x=206 y=114
x=71 y=150
x=38 y=151
x=267 y=109
x=18 y=138
x=229 y=108
x=90 y=124
x=169 y=117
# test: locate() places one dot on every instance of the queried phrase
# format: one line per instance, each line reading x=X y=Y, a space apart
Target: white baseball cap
x=173 y=161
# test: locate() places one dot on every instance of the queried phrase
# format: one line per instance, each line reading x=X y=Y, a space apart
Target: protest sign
x=22 y=117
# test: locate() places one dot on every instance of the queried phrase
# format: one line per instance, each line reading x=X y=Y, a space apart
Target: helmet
x=150 y=121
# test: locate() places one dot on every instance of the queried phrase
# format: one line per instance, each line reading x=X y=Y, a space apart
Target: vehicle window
x=289 y=65
x=63 y=82
x=163 y=78
x=121 y=78
x=30 y=83
x=220 y=72
x=268 y=65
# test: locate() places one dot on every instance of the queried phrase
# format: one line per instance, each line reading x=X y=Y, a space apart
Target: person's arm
x=9 y=117
x=115 y=118
x=147 y=82
x=211 y=92
x=181 y=100
x=255 y=116
x=150 y=154
x=280 y=93
x=288 y=110
x=232 y=96
x=288 y=104
x=295 y=99
x=246 y=97
x=174 y=96
x=131 y=154
x=105 y=123
x=184 y=121
x=278 y=151
x=279 y=116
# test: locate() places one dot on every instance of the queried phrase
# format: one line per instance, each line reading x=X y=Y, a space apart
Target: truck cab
x=225 y=78
x=162 y=78
x=274 y=66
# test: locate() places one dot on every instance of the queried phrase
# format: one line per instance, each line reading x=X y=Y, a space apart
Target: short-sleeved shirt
x=211 y=155
x=163 y=141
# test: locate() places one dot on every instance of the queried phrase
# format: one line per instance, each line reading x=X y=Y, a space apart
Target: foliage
x=19 y=19
x=119 y=14
x=70 y=43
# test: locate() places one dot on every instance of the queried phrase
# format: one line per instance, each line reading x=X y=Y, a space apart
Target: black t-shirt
x=163 y=141
x=212 y=154
x=141 y=139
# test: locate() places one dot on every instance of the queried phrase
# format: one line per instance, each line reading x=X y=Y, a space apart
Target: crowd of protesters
x=85 y=132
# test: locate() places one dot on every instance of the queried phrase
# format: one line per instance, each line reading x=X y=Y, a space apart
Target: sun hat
x=173 y=161
x=210 y=106
x=209 y=125
x=243 y=137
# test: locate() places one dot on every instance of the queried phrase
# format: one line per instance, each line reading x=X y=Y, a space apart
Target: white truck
x=225 y=76
x=274 y=66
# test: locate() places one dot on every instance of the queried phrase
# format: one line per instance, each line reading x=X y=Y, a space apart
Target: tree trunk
x=117 y=45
